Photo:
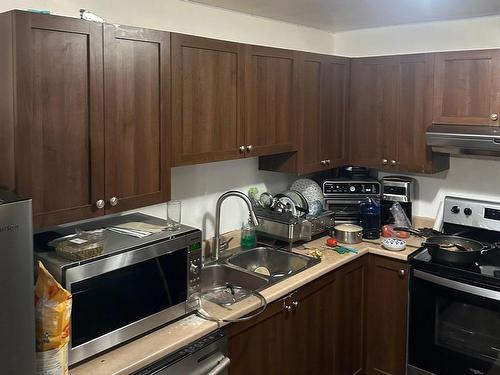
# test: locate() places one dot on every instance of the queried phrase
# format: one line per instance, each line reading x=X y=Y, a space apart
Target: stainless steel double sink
x=254 y=269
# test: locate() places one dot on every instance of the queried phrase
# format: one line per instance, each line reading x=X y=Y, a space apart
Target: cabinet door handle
x=494 y=116
x=295 y=304
x=327 y=161
x=323 y=162
x=401 y=274
x=384 y=161
x=113 y=201
x=100 y=203
x=288 y=308
x=249 y=148
x=242 y=149
x=393 y=163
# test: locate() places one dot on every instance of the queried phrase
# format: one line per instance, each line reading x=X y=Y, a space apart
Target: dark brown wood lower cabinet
x=350 y=345
x=350 y=321
x=293 y=336
x=386 y=316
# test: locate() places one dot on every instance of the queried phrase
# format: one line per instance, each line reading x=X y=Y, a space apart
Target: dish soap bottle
x=248 y=236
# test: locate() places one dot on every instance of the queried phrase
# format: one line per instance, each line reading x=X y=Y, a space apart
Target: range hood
x=464 y=139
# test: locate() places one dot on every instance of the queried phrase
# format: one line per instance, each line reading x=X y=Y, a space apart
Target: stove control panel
x=332 y=188
x=472 y=213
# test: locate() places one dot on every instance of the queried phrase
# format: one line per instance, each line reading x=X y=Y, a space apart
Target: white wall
x=471 y=177
x=472 y=33
x=190 y=18
x=199 y=186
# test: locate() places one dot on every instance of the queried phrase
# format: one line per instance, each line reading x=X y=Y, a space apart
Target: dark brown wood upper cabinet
x=391 y=108
x=322 y=103
x=334 y=110
x=85 y=121
x=137 y=116
x=269 y=114
x=207 y=87
x=414 y=115
x=373 y=104
x=56 y=117
x=467 y=87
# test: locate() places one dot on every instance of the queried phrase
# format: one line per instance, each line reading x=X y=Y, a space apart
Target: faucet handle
x=224 y=243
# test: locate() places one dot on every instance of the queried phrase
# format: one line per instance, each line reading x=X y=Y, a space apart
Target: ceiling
x=342 y=15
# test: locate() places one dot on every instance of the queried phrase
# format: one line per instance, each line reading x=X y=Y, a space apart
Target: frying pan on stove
x=450 y=249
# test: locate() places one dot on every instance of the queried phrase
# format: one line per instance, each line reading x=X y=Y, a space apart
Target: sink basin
x=271 y=263
x=225 y=285
x=217 y=275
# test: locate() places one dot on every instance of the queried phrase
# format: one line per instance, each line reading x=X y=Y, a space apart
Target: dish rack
x=283 y=226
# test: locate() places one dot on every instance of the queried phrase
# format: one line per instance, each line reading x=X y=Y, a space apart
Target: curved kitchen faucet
x=222 y=198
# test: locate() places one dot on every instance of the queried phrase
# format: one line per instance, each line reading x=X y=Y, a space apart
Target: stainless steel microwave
x=135 y=286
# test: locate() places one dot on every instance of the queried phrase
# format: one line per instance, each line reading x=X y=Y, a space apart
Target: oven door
x=345 y=211
x=125 y=295
x=454 y=327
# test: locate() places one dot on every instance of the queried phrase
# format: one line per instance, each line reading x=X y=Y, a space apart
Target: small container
x=248 y=236
x=82 y=246
x=370 y=219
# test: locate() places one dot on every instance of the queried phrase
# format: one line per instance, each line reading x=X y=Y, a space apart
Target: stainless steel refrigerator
x=17 y=318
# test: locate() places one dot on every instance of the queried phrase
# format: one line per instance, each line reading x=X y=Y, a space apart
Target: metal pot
x=348 y=233
x=451 y=249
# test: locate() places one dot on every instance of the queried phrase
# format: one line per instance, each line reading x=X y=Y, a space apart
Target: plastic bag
x=52 y=314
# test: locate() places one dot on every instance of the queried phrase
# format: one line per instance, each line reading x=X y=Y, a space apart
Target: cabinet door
x=137 y=97
x=258 y=346
x=309 y=154
x=269 y=116
x=372 y=111
x=310 y=327
x=206 y=86
x=415 y=85
x=350 y=346
x=467 y=87
x=59 y=127
x=335 y=86
x=386 y=316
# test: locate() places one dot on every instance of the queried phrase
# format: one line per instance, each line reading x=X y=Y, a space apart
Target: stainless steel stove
x=454 y=311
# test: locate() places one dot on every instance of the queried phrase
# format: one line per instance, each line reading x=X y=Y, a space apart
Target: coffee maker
x=400 y=189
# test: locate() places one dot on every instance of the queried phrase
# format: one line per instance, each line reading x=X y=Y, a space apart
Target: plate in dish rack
x=309 y=189
x=394 y=244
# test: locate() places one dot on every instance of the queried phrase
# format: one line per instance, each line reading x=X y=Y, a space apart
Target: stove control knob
x=467 y=211
x=352 y=189
x=455 y=209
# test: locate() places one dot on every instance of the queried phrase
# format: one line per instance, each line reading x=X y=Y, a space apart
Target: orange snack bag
x=52 y=314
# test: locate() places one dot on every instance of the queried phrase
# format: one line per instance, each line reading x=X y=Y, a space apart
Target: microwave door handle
x=220 y=367
x=456 y=285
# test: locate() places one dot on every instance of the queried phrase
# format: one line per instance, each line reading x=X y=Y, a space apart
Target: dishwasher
x=206 y=356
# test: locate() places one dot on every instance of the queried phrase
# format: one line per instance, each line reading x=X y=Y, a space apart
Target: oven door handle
x=461 y=287
x=221 y=366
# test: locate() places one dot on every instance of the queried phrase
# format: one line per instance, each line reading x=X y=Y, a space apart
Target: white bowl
x=394 y=244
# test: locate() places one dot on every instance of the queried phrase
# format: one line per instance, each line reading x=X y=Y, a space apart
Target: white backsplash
x=199 y=186
x=467 y=177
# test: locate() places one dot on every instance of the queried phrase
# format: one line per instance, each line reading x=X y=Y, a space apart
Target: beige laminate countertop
x=150 y=348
